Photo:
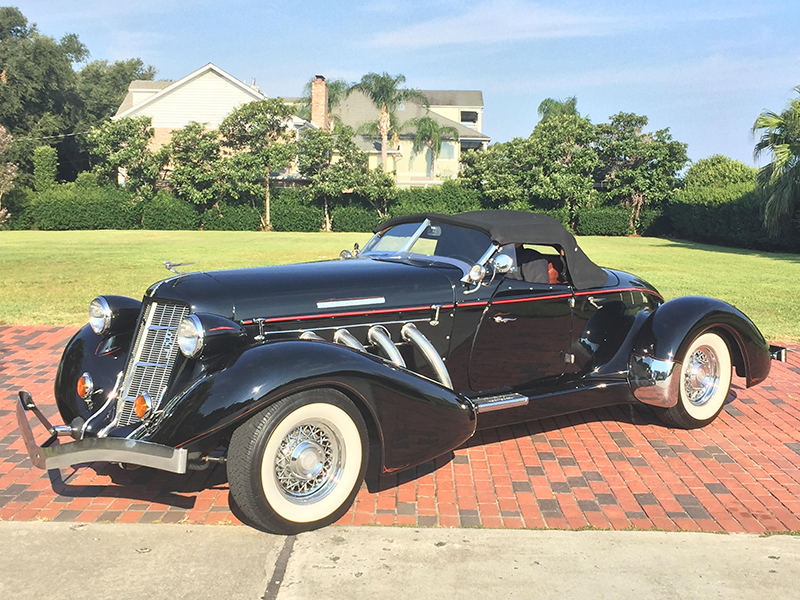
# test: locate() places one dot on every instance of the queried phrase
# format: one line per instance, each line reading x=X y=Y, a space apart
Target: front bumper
x=52 y=454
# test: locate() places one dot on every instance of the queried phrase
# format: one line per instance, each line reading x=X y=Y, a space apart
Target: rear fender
x=669 y=330
x=413 y=418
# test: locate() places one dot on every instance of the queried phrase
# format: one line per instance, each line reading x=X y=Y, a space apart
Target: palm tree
x=386 y=94
x=550 y=107
x=780 y=136
x=429 y=134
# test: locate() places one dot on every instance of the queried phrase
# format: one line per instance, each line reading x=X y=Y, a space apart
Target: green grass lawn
x=50 y=277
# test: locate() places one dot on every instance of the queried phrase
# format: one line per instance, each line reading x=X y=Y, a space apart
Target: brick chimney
x=319 y=102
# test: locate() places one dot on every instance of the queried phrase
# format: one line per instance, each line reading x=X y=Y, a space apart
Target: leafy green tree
x=195 y=164
x=549 y=108
x=45 y=167
x=337 y=167
x=102 y=86
x=561 y=162
x=8 y=170
x=122 y=150
x=261 y=128
x=386 y=94
x=37 y=86
x=639 y=169
x=429 y=134
x=552 y=169
x=495 y=173
x=780 y=178
x=44 y=100
x=718 y=171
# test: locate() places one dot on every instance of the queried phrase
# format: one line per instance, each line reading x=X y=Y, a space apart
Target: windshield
x=428 y=238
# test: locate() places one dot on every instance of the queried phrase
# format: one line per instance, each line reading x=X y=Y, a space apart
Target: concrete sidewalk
x=62 y=560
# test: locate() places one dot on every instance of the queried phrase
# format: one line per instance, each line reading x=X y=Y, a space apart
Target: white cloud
x=497 y=21
x=720 y=73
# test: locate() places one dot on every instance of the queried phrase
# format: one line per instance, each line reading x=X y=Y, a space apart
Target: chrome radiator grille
x=155 y=351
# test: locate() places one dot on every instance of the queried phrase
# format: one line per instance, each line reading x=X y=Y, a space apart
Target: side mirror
x=345 y=254
x=502 y=263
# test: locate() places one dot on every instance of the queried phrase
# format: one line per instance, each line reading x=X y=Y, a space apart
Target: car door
x=523 y=336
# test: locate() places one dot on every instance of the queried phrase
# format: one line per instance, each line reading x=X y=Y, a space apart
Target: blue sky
x=705 y=70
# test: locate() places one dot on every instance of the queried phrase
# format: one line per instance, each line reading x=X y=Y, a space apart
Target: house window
x=448 y=150
x=471 y=145
x=469 y=117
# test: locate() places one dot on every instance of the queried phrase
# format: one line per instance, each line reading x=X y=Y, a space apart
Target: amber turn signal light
x=85 y=387
x=143 y=406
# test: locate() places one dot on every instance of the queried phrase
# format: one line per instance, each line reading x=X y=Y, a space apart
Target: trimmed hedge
x=607 y=220
x=291 y=209
x=448 y=199
x=83 y=205
x=17 y=202
x=737 y=223
x=224 y=217
x=165 y=211
x=353 y=217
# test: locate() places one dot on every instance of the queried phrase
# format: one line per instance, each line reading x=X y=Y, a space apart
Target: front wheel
x=298 y=464
x=705 y=380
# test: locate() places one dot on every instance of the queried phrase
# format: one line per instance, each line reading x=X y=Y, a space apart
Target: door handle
x=502 y=319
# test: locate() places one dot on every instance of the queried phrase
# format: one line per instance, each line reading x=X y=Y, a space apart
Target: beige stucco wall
x=454 y=114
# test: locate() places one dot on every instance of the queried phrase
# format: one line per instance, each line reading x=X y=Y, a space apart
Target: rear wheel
x=298 y=464
x=705 y=380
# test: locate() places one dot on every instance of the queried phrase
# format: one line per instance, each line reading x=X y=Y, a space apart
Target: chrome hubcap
x=309 y=462
x=701 y=376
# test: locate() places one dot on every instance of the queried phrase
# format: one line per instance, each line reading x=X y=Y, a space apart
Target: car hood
x=310 y=289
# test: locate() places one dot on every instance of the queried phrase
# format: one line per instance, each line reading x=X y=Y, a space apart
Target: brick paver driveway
x=612 y=468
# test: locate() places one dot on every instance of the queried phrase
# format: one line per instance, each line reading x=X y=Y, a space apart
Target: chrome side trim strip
x=353 y=326
x=410 y=333
x=351 y=302
x=379 y=336
x=500 y=402
x=655 y=381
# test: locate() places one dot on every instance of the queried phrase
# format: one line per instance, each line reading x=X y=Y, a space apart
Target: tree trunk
x=266 y=224
x=637 y=204
x=384 y=124
x=327 y=224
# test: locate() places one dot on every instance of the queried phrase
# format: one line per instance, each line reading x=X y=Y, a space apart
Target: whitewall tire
x=298 y=464
x=703 y=385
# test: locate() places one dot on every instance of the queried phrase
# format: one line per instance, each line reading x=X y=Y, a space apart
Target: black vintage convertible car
x=315 y=376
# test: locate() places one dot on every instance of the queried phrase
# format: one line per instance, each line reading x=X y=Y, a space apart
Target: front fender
x=104 y=356
x=415 y=419
x=669 y=330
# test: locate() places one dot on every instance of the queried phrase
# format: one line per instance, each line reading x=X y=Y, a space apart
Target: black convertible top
x=519 y=227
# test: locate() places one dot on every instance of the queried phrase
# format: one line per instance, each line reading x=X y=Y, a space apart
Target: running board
x=501 y=402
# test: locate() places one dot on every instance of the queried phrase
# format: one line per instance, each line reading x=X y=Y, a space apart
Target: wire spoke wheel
x=309 y=461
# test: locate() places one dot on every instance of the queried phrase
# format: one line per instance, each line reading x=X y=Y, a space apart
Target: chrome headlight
x=100 y=315
x=191 y=336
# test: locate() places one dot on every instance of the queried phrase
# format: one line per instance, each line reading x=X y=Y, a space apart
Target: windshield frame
x=405 y=251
